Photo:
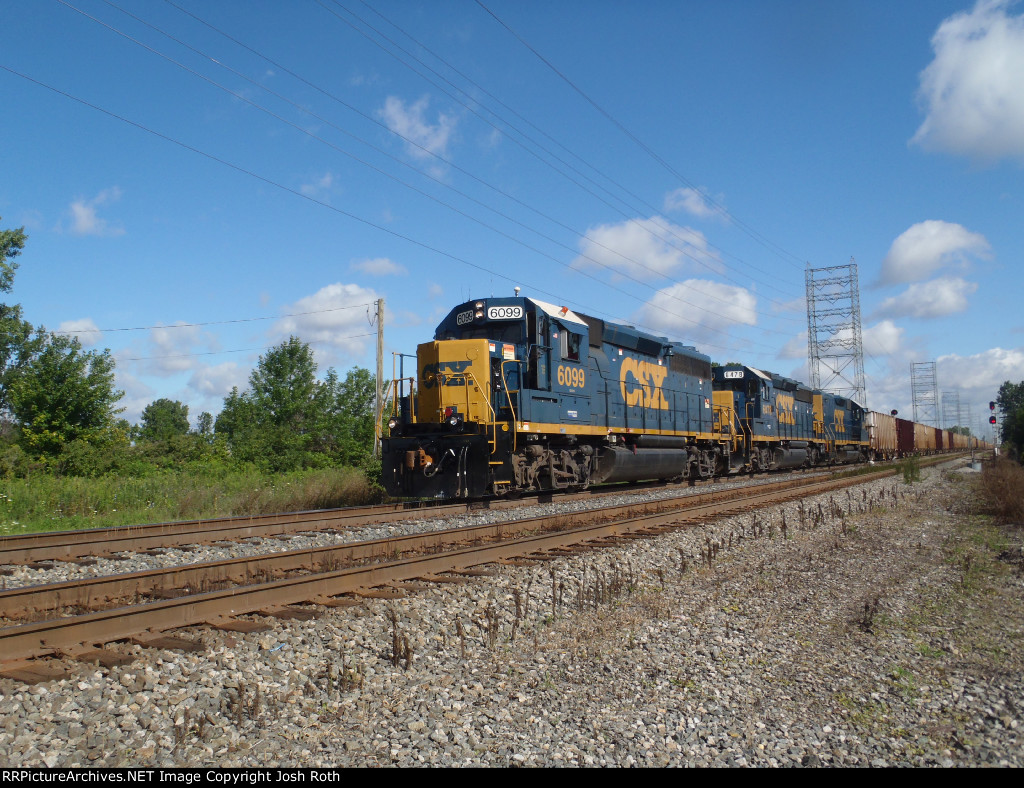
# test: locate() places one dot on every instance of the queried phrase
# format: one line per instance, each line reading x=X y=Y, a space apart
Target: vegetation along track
x=35 y=548
x=79 y=545
x=395 y=561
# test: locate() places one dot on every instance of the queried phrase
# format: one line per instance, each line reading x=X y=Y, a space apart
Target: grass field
x=45 y=503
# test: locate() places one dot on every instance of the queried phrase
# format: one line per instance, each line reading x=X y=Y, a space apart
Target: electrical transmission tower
x=951 y=410
x=835 y=348
x=924 y=388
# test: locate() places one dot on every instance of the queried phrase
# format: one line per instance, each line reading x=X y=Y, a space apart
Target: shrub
x=911 y=469
x=1002 y=485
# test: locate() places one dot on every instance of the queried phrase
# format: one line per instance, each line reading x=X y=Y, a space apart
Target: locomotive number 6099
x=573 y=377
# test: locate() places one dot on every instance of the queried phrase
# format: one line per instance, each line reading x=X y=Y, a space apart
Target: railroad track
x=37 y=550
x=321 y=577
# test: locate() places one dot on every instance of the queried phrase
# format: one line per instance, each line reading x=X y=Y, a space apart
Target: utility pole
x=378 y=406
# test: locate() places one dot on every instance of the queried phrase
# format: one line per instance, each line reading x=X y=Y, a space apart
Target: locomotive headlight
x=479 y=313
x=479 y=305
x=392 y=423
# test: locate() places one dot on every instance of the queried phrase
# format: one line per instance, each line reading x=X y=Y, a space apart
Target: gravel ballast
x=875 y=628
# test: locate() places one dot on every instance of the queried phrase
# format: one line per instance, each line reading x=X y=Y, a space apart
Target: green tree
x=284 y=386
x=1010 y=401
x=204 y=425
x=273 y=424
x=163 y=419
x=288 y=419
x=11 y=244
x=19 y=340
x=64 y=394
x=356 y=397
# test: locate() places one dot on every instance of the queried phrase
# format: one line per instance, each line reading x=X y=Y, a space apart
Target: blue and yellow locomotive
x=781 y=423
x=518 y=394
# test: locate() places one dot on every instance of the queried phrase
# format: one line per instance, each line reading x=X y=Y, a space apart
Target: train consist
x=516 y=394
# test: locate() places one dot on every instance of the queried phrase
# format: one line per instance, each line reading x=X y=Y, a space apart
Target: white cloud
x=85 y=219
x=697 y=308
x=929 y=246
x=137 y=395
x=379 y=266
x=318 y=188
x=972 y=91
x=645 y=249
x=983 y=373
x=424 y=140
x=85 y=329
x=884 y=338
x=334 y=320
x=794 y=305
x=696 y=203
x=937 y=298
x=795 y=347
x=218 y=380
x=171 y=348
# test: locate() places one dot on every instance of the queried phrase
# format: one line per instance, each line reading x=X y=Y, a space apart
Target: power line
x=683 y=250
x=449 y=206
x=340 y=211
x=611 y=180
x=415 y=189
x=237 y=350
x=793 y=259
x=211 y=322
x=668 y=229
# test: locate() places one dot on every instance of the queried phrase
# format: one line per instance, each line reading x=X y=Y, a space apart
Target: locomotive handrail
x=468 y=377
x=511 y=407
x=487 y=402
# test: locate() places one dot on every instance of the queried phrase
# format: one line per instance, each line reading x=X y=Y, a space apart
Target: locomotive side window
x=571 y=346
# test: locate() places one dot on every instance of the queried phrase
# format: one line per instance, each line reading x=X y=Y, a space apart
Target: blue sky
x=201 y=179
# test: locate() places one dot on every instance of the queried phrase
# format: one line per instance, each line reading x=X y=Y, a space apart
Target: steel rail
x=69 y=545
x=96 y=592
x=69 y=634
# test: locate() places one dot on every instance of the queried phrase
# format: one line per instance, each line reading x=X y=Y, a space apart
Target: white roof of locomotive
x=568 y=316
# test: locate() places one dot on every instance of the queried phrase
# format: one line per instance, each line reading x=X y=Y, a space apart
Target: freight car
x=517 y=394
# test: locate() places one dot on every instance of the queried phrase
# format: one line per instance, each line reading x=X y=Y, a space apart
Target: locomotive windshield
x=511 y=333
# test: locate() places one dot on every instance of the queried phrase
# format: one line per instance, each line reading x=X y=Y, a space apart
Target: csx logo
x=444 y=373
x=840 y=421
x=641 y=381
x=784 y=404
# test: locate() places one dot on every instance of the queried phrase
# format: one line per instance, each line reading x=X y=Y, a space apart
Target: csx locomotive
x=517 y=394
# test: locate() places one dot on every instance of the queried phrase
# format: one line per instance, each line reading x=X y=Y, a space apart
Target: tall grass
x=41 y=503
x=1002 y=485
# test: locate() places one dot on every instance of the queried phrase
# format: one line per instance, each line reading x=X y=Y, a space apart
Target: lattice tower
x=951 y=410
x=835 y=347
x=924 y=389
